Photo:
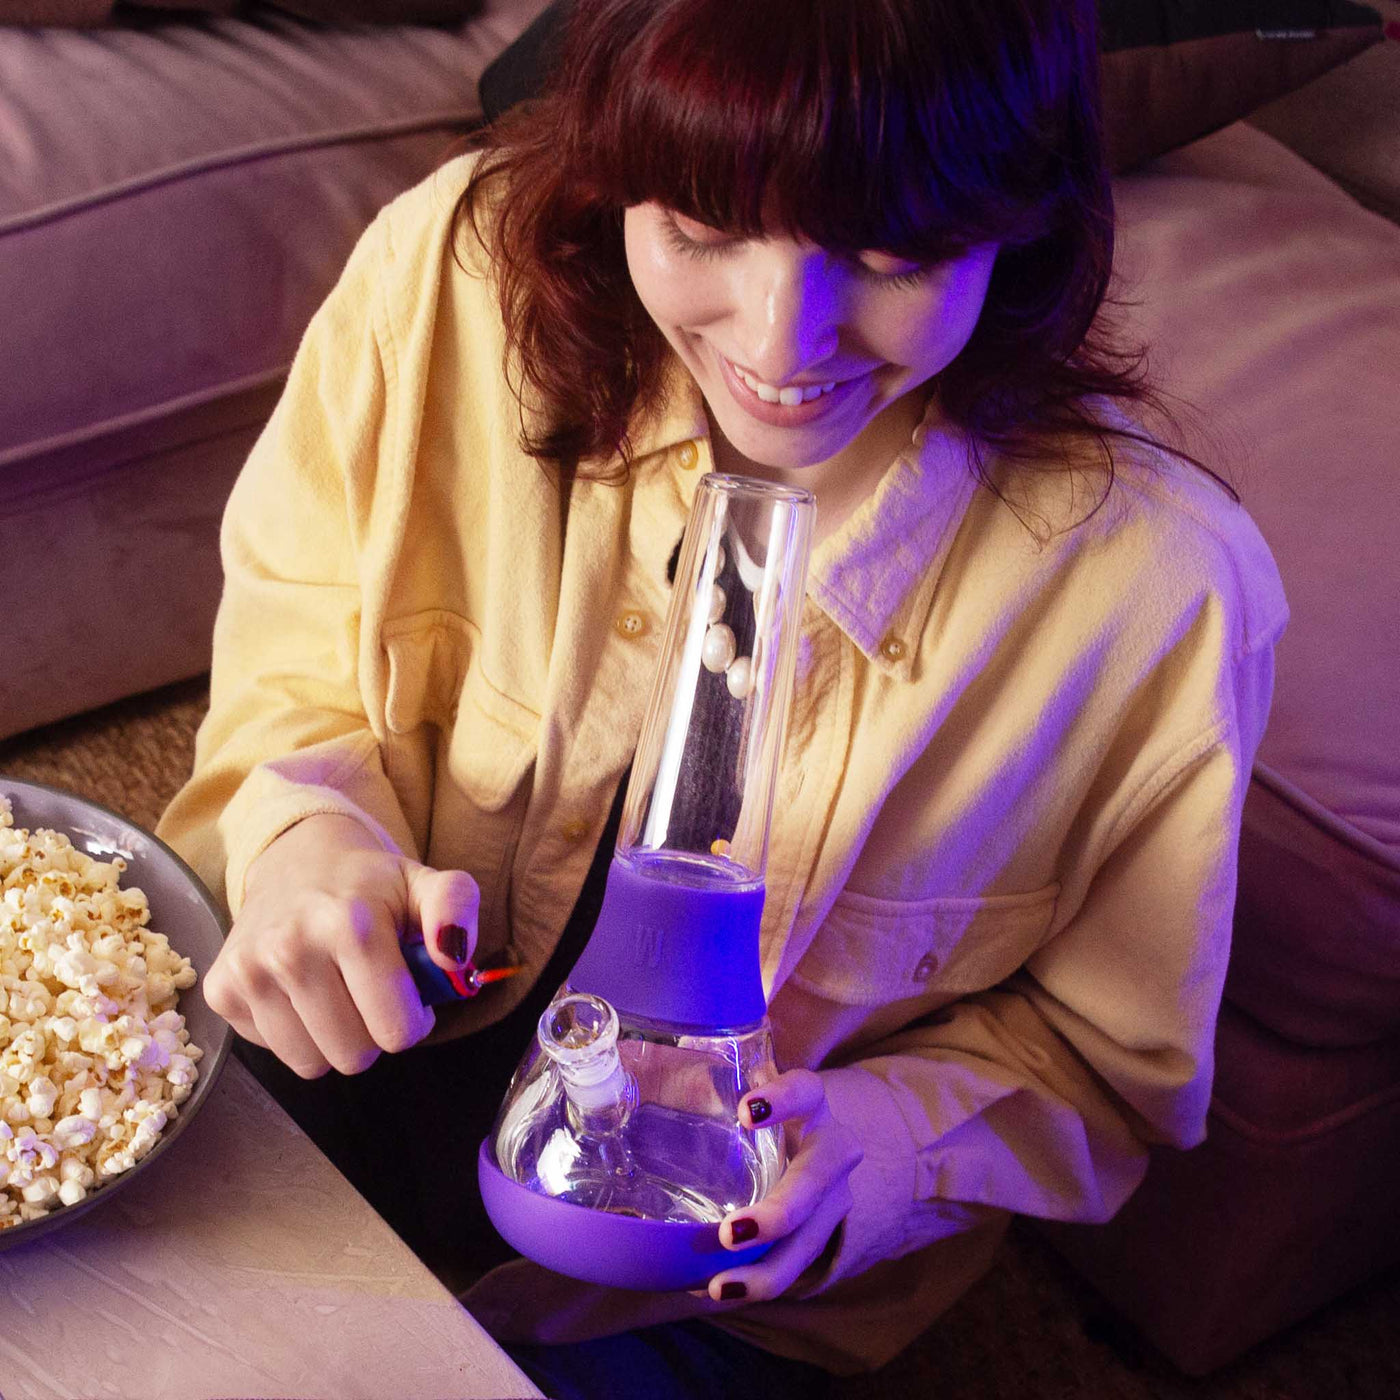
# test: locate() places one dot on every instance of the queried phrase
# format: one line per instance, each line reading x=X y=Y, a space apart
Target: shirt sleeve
x=1041 y=1095
x=286 y=735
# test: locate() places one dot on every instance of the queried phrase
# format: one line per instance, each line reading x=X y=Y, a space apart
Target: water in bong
x=582 y=1130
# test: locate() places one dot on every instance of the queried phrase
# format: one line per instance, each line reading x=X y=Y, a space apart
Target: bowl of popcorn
x=107 y=1048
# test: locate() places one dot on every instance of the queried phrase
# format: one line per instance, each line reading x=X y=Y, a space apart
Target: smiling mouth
x=789 y=395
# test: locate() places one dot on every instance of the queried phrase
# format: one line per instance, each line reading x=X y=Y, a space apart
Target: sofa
x=177 y=194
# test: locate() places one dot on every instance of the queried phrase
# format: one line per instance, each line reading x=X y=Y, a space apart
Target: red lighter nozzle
x=470 y=980
x=480 y=977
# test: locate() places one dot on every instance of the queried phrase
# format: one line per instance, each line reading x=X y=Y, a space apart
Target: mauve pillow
x=1173 y=71
x=1347 y=123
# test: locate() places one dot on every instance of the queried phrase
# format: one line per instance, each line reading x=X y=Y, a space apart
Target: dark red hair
x=915 y=127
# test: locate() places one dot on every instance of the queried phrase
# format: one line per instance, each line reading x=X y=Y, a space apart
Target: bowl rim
x=211 y=1065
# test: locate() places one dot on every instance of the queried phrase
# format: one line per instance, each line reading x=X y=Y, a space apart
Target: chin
x=781 y=452
x=783 y=449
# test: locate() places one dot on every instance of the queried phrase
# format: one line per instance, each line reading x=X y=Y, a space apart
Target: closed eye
x=696 y=240
x=885 y=269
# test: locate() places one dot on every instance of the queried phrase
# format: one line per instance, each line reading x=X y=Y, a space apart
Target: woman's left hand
x=812 y=1197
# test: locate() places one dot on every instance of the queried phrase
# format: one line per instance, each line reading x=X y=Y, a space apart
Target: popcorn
x=94 y=1058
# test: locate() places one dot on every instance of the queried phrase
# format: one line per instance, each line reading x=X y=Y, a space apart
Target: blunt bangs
x=946 y=145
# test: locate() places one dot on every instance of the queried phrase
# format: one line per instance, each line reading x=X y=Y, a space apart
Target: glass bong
x=618 y=1150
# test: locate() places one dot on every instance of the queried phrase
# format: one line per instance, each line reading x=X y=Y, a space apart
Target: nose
x=790 y=313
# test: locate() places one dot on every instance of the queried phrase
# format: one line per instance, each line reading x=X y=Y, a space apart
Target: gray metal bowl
x=181 y=908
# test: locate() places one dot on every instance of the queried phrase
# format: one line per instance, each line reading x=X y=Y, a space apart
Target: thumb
x=445 y=904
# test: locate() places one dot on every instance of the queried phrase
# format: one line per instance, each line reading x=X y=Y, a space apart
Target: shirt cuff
x=882 y=1186
x=276 y=796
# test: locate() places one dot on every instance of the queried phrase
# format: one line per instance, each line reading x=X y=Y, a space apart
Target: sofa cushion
x=176 y=200
x=1289 y=1201
x=1271 y=302
x=1174 y=71
x=1347 y=124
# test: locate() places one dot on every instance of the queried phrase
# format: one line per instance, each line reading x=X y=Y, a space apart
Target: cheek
x=933 y=334
x=677 y=292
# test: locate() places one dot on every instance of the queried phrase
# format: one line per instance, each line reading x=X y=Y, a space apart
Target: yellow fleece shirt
x=1002 y=866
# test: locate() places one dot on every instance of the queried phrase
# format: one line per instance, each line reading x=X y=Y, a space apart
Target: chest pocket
x=872 y=951
x=436 y=682
x=457 y=752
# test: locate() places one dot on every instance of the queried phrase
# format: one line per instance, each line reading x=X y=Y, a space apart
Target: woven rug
x=1031 y=1330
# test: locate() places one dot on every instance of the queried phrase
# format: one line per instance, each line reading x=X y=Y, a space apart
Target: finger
x=223 y=1001
x=295 y=972
x=788 y=1259
x=370 y=962
x=282 y=1031
x=820 y=1167
x=445 y=905
x=799 y=1093
x=334 y=1022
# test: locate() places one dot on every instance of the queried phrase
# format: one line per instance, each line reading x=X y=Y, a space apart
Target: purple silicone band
x=678 y=953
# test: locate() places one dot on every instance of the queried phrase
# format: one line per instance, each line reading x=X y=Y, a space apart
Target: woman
x=856 y=245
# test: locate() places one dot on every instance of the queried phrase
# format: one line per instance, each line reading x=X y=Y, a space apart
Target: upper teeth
x=791 y=395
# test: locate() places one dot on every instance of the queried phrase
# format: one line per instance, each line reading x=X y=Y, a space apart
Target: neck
x=844 y=481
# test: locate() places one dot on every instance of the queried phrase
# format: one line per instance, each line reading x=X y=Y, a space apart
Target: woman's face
x=801 y=354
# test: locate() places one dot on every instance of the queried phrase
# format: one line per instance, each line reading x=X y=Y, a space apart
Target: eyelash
x=705 y=252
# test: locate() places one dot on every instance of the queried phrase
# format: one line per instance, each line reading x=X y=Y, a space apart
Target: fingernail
x=728 y=1292
x=759 y=1109
x=743 y=1229
x=452 y=940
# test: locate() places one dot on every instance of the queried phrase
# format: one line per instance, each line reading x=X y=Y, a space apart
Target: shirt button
x=892 y=649
x=688 y=456
x=927 y=966
x=630 y=624
x=574 y=830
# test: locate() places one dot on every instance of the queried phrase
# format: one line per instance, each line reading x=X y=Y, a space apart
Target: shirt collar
x=678 y=417
x=876 y=575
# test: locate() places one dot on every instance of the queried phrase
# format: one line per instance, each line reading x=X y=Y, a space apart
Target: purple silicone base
x=594 y=1245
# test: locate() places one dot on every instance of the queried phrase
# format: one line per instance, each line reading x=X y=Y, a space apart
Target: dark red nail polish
x=728 y=1292
x=452 y=940
x=743 y=1229
x=759 y=1109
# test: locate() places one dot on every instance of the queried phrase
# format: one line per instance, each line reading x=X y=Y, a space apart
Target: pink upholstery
x=175 y=201
x=1290 y=1201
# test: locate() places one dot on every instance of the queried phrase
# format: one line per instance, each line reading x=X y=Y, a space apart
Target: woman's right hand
x=312 y=968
